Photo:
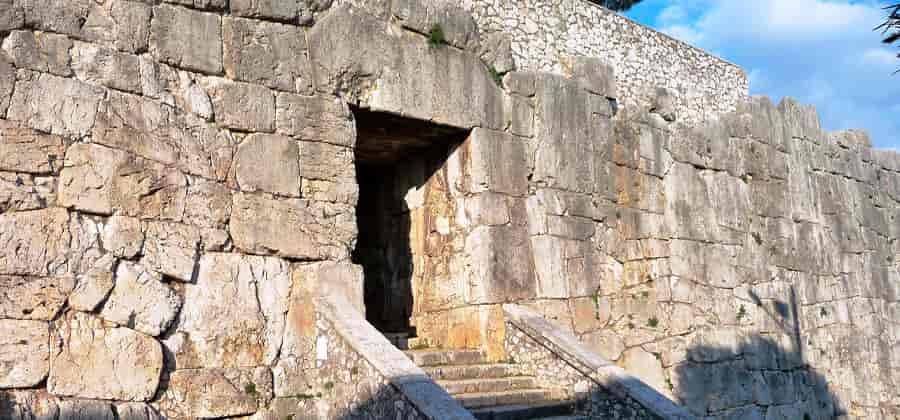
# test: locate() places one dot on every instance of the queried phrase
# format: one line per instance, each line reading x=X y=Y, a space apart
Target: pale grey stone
x=507 y=271
x=86 y=410
x=242 y=106
x=214 y=393
x=22 y=192
x=459 y=29
x=323 y=231
x=54 y=104
x=318 y=119
x=121 y=24
x=270 y=54
x=80 y=340
x=494 y=161
x=496 y=52
x=136 y=411
x=187 y=39
x=208 y=204
x=664 y=104
x=39 y=51
x=11 y=16
x=59 y=16
x=28 y=404
x=7 y=82
x=234 y=316
x=269 y=163
x=29 y=151
x=34 y=243
x=284 y=10
x=123 y=236
x=106 y=67
x=140 y=301
x=592 y=74
x=24 y=353
x=201 y=4
x=86 y=180
x=93 y=286
x=33 y=298
x=171 y=249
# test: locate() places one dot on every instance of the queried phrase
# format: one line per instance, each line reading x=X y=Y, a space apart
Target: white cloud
x=822 y=52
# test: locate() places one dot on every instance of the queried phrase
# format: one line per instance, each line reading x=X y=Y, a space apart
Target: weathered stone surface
x=187 y=39
x=269 y=163
x=322 y=231
x=136 y=411
x=35 y=298
x=121 y=24
x=507 y=271
x=593 y=74
x=22 y=192
x=457 y=25
x=93 y=286
x=28 y=404
x=54 y=104
x=496 y=162
x=87 y=360
x=234 y=316
x=171 y=249
x=86 y=181
x=123 y=236
x=39 y=51
x=141 y=301
x=24 y=353
x=325 y=120
x=269 y=9
x=25 y=150
x=59 y=16
x=328 y=173
x=85 y=410
x=106 y=67
x=214 y=393
x=11 y=16
x=242 y=106
x=201 y=4
x=208 y=204
x=270 y=54
x=34 y=243
x=496 y=52
x=7 y=82
x=158 y=133
x=174 y=87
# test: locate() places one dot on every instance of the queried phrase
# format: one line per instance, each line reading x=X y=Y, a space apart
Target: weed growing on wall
x=436 y=36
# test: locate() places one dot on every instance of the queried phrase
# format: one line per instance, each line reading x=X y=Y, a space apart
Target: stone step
x=424 y=358
x=449 y=373
x=470 y=386
x=501 y=398
x=557 y=410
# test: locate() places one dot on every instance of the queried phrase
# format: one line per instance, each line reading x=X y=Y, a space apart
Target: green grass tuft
x=436 y=36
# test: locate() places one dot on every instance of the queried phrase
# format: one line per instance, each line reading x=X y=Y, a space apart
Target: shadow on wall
x=757 y=377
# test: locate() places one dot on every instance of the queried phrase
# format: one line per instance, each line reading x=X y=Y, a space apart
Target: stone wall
x=177 y=188
x=547 y=35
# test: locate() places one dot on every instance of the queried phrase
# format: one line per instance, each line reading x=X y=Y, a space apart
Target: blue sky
x=822 y=52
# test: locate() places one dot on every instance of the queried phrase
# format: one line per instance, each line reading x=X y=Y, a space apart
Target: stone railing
x=388 y=385
x=560 y=361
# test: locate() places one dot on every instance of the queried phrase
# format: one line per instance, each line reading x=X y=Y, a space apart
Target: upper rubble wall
x=544 y=34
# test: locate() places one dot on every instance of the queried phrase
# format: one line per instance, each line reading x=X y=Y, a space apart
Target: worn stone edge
x=429 y=398
x=599 y=370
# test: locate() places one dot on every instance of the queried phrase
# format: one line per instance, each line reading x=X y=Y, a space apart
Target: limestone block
x=136 y=411
x=7 y=82
x=34 y=243
x=87 y=360
x=208 y=204
x=93 y=286
x=519 y=115
x=121 y=24
x=106 y=67
x=268 y=9
x=25 y=150
x=123 y=236
x=174 y=87
x=214 y=393
x=591 y=73
x=39 y=51
x=317 y=230
x=59 y=16
x=24 y=353
x=356 y=57
x=140 y=300
x=187 y=39
x=54 y=104
x=328 y=173
x=566 y=133
x=269 y=163
x=799 y=121
x=317 y=119
x=496 y=162
x=158 y=133
x=86 y=181
x=270 y=54
x=34 y=298
x=459 y=29
x=171 y=249
x=242 y=106
x=520 y=83
x=86 y=409
x=11 y=16
x=332 y=278
x=664 y=104
x=496 y=52
x=234 y=316
x=28 y=404
x=22 y=192
x=502 y=268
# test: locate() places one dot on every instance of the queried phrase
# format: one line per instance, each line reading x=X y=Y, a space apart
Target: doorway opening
x=399 y=161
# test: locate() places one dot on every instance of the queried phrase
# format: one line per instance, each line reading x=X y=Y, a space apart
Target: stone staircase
x=492 y=391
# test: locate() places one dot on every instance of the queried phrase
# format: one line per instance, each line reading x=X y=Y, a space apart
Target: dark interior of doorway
x=393 y=155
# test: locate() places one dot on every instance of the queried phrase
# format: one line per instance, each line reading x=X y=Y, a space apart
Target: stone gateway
x=411 y=209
